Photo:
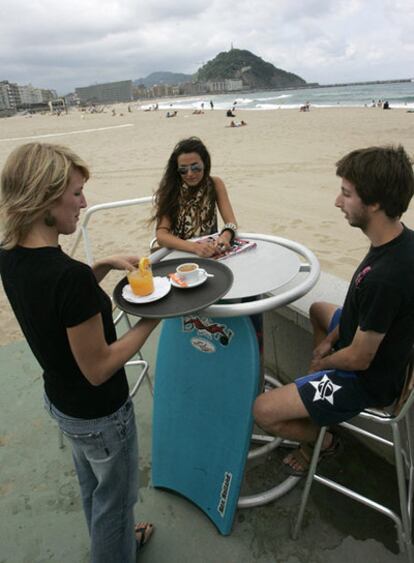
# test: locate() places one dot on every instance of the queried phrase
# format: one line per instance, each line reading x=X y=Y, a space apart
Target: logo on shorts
x=325 y=389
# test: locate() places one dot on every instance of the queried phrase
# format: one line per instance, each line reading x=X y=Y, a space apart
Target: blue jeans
x=105 y=453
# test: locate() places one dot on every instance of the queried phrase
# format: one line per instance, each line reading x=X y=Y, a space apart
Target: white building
x=232 y=85
x=30 y=95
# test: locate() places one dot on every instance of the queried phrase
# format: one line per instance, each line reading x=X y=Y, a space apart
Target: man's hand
x=322 y=350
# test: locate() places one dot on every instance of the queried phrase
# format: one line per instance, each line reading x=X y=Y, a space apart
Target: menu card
x=238 y=245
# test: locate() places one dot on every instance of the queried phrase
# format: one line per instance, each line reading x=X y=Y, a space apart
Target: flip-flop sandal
x=146 y=532
x=334 y=448
x=304 y=453
x=298 y=456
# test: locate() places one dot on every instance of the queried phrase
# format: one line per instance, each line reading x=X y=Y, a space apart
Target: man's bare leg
x=281 y=412
x=320 y=314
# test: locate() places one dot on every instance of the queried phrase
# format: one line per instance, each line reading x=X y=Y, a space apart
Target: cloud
x=64 y=45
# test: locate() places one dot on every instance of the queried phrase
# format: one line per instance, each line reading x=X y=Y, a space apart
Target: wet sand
x=279 y=171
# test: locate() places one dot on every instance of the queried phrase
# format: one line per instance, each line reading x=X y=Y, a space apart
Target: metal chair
x=403 y=455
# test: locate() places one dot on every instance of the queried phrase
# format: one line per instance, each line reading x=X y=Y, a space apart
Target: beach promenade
x=42 y=519
x=280 y=173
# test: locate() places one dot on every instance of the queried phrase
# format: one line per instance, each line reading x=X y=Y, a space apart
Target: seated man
x=362 y=350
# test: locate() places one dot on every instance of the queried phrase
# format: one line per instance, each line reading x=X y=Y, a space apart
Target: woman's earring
x=49 y=220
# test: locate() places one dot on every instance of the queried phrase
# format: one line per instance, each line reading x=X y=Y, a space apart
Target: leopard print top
x=197 y=215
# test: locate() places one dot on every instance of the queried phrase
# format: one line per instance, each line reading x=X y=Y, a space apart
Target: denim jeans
x=105 y=453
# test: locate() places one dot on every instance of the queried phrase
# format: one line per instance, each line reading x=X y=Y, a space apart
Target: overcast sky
x=64 y=44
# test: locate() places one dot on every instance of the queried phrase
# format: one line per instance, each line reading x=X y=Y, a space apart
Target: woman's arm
x=98 y=360
x=167 y=239
x=226 y=210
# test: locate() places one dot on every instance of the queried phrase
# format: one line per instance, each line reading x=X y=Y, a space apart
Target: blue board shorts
x=332 y=396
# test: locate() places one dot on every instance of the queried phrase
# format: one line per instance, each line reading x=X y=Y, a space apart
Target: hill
x=252 y=70
x=164 y=78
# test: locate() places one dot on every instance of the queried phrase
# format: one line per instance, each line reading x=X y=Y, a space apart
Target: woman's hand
x=222 y=243
x=122 y=262
x=205 y=248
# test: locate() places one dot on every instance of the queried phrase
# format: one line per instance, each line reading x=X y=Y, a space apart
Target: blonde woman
x=67 y=320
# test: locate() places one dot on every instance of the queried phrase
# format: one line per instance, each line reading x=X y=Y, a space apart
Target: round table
x=208 y=376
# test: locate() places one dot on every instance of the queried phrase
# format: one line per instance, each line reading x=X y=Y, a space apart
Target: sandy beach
x=279 y=170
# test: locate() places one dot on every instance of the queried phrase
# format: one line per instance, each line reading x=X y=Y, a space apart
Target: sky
x=62 y=45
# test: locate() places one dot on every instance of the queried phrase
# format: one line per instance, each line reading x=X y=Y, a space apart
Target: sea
x=398 y=95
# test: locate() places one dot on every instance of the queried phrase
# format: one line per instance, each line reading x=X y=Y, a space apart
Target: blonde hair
x=34 y=177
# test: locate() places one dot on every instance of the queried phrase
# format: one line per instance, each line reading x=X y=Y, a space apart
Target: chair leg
x=405 y=541
x=409 y=463
x=308 y=482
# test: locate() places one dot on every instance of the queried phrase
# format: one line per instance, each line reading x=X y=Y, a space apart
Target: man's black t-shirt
x=50 y=292
x=381 y=299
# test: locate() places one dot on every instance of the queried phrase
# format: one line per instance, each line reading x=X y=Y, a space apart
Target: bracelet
x=232 y=228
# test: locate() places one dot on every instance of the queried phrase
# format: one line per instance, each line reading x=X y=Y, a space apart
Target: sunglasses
x=183 y=170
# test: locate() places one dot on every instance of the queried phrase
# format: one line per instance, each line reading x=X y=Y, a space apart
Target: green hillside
x=162 y=77
x=252 y=70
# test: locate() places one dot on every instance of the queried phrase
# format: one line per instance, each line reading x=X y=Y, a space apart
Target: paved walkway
x=42 y=520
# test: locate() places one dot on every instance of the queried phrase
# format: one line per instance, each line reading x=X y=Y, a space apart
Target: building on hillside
x=227 y=85
x=109 y=92
x=216 y=85
x=232 y=84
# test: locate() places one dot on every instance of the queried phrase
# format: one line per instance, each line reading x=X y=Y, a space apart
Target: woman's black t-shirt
x=50 y=292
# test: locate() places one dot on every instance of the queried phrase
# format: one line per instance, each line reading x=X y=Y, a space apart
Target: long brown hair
x=166 y=196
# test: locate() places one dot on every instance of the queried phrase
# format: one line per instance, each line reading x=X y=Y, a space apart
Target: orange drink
x=141 y=280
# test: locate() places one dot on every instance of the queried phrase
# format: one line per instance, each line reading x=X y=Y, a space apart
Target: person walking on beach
x=361 y=351
x=187 y=199
x=67 y=320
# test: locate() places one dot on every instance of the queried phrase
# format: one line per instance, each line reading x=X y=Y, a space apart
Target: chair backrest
x=407 y=393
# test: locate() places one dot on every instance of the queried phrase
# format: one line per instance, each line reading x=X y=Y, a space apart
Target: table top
x=276 y=272
x=180 y=301
x=264 y=268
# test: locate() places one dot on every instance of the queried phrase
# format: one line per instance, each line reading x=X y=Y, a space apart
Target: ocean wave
x=243 y=100
x=274 y=98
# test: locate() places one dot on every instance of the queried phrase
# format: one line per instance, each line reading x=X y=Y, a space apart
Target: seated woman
x=187 y=199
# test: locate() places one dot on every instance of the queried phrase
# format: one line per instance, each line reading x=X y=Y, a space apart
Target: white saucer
x=201 y=279
x=161 y=287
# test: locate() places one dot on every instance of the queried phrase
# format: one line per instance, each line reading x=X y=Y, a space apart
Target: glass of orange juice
x=141 y=280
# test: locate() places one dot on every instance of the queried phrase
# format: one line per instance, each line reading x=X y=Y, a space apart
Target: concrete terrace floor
x=41 y=518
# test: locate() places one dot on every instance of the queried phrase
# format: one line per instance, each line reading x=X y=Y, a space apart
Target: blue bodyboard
x=206 y=380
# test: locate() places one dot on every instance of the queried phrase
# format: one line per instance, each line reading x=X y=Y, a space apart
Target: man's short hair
x=382 y=175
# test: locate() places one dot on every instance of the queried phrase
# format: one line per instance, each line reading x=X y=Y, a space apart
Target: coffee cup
x=189 y=272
